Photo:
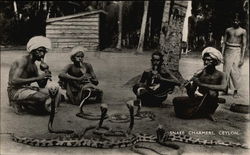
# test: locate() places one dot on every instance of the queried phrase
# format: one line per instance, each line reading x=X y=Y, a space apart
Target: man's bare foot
x=211 y=117
x=18 y=109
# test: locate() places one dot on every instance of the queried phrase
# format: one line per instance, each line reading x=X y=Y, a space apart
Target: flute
x=154 y=71
x=195 y=74
x=84 y=72
x=44 y=67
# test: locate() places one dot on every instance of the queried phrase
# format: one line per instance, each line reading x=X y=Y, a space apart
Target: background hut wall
x=67 y=33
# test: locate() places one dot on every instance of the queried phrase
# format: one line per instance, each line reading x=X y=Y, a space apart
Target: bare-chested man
x=233 y=49
x=24 y=72
x=79 y=78
x=208 y=81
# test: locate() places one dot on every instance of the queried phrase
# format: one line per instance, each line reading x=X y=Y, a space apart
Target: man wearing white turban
x=78 y=78
x=24 y=72
x=208 y=82
x=214 y=53
x=38 y=41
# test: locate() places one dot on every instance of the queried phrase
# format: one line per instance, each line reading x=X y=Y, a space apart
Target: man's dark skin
x=155 y=83
x=208 y=82
x=156 y=62
x=77 y=78
x=235 y=36
x=77 y=71
x=22 y=74
x=25 y=72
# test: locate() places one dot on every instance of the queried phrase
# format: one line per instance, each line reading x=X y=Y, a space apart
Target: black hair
x=236 y=16
x=157 y=53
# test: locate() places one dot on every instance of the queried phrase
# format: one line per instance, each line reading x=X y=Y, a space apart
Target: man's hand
x=44 y=76
x=85 y=77
x=196 y=81
x=157 y=76
x=154 y=87
x=241 y=62
x=186 y=84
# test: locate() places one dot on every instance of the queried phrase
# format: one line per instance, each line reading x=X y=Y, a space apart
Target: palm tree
x=143 y=27
x=118 y=46
x=171 y=34
x=170 y=38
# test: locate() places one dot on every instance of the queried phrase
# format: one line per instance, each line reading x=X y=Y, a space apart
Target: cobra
x=162 y=137
x=53 y=91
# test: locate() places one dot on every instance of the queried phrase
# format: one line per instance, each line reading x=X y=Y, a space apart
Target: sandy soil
x=113 y=71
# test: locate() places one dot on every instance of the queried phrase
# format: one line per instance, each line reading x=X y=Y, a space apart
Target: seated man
x=78 y=78
x=155 y=83
x=24 y=72
x=208 y=82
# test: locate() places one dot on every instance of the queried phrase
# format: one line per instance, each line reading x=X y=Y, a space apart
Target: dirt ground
x=113 y=71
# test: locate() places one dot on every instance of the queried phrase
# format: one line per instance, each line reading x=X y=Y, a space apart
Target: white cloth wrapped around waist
x=232 y=45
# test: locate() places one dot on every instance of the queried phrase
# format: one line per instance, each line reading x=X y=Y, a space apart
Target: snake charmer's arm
x=144 y=76
x=93 y=77
x=220 y=87
x=64 y=74
x=224 y=42
x=172 y=78
x=42 y=82
x=244 y=43
x=191 y=88
x=18 y=68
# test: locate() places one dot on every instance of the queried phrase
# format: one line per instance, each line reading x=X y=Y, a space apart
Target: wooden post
x=143 y=27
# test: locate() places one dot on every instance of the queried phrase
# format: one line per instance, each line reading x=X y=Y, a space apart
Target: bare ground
x=113 y=71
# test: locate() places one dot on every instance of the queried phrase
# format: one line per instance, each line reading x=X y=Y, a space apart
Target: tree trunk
x=15 y=10
x=143 y=27
x=170 y=39
x=118 y=46
x=171 y=34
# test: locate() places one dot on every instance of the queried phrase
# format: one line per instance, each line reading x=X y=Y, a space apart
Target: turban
x=38 y=41
x=213 y=53
x=77 y=49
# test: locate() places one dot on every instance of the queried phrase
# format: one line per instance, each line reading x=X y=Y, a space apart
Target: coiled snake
x=125 y=118
x=162 y=137
x=85 y=115
x=114 y=118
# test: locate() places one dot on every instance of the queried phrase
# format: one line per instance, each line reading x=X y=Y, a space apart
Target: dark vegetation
x=30 y=19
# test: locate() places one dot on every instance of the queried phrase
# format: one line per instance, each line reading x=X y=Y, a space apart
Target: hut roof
x=74 y=16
